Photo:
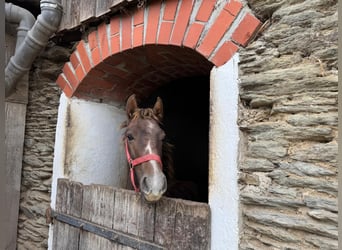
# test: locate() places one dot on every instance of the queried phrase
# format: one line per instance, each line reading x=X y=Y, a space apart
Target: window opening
x=186 y=124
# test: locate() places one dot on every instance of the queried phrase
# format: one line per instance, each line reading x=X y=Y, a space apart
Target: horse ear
x=131 y=106
x=158 y=109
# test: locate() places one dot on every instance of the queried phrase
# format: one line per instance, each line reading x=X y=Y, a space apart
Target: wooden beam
x=14 y=141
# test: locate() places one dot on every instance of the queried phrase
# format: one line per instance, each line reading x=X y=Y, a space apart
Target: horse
x=149 y=155
x=143 y=139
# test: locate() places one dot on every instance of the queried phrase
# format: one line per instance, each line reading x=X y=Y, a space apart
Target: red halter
x=134 y=162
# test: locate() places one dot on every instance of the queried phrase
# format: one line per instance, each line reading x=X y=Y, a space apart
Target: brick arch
x=155 y=44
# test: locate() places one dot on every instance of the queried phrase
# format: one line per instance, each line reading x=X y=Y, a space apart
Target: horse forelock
x=146 y=113
x=140 y=113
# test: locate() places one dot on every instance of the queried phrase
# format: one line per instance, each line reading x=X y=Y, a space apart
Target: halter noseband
x=134 y=162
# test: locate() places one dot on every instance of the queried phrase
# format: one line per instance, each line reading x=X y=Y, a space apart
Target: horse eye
x=130 y=137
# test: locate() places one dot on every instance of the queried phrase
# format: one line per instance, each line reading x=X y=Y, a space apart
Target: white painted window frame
x=223 y=156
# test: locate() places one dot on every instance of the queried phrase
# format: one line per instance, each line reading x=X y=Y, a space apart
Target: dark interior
x=186 y=124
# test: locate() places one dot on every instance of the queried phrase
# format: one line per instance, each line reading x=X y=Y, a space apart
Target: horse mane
x=167 y=149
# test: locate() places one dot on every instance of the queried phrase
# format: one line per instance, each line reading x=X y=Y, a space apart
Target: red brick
x=95 y=72
x=133 y=65
x=115 y=44
x=80 y=74
x=68 y=91
x=113 y=78
x=193 y=35
x=105 y=67
x=114 y=60
x=138 y=17
x=246 y=29
x=122 y=73
x=165 y=32
x=96 y=82
x=70 y=75
x=112 y=70
x=96 y=56
x=100 y=83
x=84 y=84
x=114 y=25
x=224 y=53
x=126 y=34
x=115 y=68
x=170 y=10
x=215 y=33
x=61 y=81
x=138 y=35
x=152 y=22
x=103 y=40
x=64 y=85
x=205 y=10
x=74 y=60
x=84 y=57
x=96 y=93
x=92 y=40
x=181 y=22
x=233 y=7
x=87 y=82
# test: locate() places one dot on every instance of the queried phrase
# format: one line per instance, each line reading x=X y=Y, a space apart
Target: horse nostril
x=151 y=185
x=145 y=186
x=163 y=190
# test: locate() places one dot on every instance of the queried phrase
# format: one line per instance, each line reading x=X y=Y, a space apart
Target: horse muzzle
x=153 y=188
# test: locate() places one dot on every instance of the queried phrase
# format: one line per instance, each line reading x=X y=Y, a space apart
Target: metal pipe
x=36 y=39
x=21 y=16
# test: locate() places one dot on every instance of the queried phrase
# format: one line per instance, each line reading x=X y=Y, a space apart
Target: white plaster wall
x=60 y=146
x=223 y=155
x=94 y=144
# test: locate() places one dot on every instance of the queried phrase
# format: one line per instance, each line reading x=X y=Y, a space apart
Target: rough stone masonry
x=288 y=121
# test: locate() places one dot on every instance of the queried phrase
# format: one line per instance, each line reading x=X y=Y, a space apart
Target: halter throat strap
x=134 y=162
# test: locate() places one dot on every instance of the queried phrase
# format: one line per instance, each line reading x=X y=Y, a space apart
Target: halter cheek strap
x=134 y=162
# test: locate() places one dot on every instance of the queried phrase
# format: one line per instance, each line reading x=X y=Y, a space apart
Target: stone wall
x=41 y=118
x=288 y=121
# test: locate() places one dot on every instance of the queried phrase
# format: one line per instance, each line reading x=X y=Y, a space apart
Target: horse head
x=143 y=140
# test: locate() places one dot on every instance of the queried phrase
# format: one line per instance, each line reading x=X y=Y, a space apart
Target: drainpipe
x=36 y=39
x=16 y=14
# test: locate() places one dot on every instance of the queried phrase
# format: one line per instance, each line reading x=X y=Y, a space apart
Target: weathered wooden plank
x=87 y=10
x=69 y=200
x=146 y=220
x=132 y=211
x=191 y=226
x=71 y=14
x=140 y=220
x=165 y=221
x=106 y=6
x=78 y=12
x=98 y=207
x=15 y=118
x=103 y=7
x=14 y=140
x=120 y=217
x=133 y=215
